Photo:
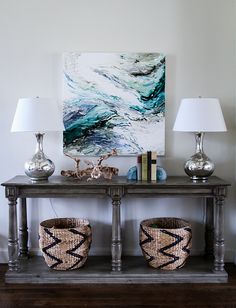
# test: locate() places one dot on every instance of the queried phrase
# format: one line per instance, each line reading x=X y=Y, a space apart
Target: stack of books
x=146 y=166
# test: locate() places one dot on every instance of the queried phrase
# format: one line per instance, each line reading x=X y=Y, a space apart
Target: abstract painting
x=113 y=101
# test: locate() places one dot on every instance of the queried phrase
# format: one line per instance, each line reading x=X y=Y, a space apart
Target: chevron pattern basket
x=65 y=242
x=165 y=242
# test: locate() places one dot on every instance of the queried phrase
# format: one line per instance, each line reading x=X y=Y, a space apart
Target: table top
x=171 y=181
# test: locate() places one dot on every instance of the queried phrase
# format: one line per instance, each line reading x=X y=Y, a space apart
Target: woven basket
x=65 y=242
x=165 y=242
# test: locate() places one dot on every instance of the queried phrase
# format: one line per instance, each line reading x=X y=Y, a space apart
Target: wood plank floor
x=108 y=295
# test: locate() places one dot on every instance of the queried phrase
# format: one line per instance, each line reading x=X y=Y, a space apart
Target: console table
x=23 y=269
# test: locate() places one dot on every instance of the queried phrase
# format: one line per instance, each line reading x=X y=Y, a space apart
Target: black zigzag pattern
x=71 y=251
x=147 y=240
x=185 y=248
x=163 y=250
x=57 y=241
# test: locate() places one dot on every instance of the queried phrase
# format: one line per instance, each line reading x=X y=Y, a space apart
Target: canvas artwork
x=113 y=101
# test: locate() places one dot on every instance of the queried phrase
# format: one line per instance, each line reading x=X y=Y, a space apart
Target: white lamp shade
x=37 y=115
x=200 y=115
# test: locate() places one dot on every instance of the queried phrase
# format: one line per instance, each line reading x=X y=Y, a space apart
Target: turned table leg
x=13 y=247
x=219 y=229
x=209 y=228
x=116 y=244
x=23 y=230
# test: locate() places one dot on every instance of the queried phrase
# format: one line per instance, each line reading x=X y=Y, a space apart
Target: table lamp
x=38 y=115
x=199 y=115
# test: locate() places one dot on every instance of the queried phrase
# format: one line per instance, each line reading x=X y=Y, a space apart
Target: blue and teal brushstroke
x=113 y=101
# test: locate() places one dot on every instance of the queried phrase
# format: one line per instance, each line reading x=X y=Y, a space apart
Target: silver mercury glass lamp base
x=199 y=167
x=39 y=168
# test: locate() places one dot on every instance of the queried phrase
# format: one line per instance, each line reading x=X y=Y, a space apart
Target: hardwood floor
x=128 y=295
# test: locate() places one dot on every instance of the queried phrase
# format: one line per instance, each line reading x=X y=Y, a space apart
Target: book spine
x=144 y=167
x=139 y=167
x=154 y=166
x=149 y=165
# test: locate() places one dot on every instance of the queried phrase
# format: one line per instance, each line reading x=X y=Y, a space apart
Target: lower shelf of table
x=134 y=270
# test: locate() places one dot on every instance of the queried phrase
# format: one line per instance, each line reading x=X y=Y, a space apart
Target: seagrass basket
x=65 y=242
x=165 y=242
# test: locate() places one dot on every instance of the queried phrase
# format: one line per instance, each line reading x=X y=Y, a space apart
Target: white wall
x=198 y=38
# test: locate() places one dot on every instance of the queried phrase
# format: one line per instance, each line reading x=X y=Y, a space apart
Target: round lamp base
x=199 y=167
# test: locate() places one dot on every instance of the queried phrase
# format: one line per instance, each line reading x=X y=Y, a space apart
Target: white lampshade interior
x=200 y=115
x=37 y=115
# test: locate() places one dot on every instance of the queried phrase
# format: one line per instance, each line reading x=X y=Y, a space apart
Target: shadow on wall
x=3 y=251
x=101 y=238
x=95 y=210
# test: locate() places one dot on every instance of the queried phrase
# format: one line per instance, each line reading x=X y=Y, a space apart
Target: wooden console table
x=117 y=270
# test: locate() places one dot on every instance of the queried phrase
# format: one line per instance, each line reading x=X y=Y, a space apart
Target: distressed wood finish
x=116 y=194
x=209 y=228
x=214 y=191
x=134 y=270
x=13 y=247
x=220 y=193
x=23 y=230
